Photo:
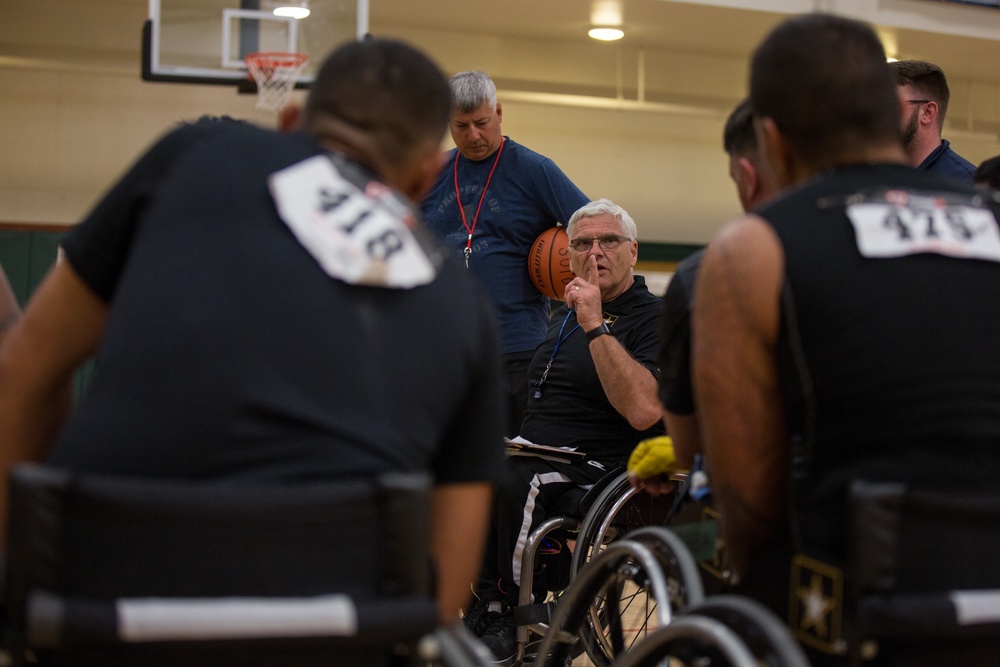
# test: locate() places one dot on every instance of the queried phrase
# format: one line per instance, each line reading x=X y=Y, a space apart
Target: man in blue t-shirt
x=923 y=97
x=490 y=202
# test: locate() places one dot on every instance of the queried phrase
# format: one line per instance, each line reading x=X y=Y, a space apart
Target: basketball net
x=275 y=74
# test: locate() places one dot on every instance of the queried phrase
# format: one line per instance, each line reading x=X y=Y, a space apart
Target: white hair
x=602 y=207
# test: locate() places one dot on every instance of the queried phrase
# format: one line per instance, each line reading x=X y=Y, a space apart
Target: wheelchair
x=652 y=557
x=920 y=586
x=722 y=631
x=121 y=571
x=623 y=608
x=678 y=624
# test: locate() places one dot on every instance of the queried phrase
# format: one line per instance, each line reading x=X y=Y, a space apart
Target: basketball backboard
x=205 y=41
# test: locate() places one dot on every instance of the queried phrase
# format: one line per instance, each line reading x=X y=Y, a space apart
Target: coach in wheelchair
x=592 y=389
x=847 y=370
x=236 y=347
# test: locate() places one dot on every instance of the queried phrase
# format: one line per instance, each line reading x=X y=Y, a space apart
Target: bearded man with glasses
x=923 y=98
x=592 y=389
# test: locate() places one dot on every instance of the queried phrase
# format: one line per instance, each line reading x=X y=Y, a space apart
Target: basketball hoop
x=275 y=74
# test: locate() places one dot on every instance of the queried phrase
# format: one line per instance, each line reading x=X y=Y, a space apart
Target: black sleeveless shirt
x=890 y=337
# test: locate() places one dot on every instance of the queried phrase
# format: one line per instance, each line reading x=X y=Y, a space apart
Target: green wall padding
x=665 y=252
x=26 y=257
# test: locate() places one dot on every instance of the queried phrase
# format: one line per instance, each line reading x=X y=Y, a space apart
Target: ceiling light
x=890 y=43
x=606 y=13
x=606 y=34
x=298 y=10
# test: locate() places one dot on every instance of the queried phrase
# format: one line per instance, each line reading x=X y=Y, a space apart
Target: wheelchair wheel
x=618 y=510
x=691 y=641
x=623 y=612
x=766 y=635
x=624 y=558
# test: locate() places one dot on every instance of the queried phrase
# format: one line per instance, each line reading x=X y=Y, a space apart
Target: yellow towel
x=653 y=457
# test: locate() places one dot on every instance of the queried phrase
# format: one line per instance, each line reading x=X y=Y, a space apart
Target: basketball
x=548 y=262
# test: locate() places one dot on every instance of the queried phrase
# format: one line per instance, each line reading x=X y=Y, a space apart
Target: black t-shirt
x=230 y=354
x=571 y=408
x=676 y=393
x=890 y=341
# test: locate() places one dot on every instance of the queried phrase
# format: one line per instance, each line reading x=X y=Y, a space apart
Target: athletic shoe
x=479 y=617
x=501 y=638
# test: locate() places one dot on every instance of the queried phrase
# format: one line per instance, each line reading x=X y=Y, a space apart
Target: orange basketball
x=548 y=262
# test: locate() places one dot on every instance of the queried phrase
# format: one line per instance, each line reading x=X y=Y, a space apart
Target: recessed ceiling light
x=299 y=11
x=606 y=34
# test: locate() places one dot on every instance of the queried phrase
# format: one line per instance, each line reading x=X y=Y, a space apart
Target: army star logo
x=816 y=606
x=816 y=603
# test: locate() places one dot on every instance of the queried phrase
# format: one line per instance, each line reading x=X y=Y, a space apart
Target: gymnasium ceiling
x=695 y=67
x=44 y=30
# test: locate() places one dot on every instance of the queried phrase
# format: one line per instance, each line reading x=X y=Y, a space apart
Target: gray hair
x=602 y=207
x=470 y=89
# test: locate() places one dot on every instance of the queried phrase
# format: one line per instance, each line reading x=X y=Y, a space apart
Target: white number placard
x=354 y=235
x=912 y=225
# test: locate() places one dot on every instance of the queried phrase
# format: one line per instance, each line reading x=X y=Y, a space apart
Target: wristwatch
x=598 y=331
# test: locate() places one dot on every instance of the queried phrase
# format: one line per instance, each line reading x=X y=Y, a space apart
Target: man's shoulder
x=643 y=303
x=225 y=140
x=681 y=285
x=957 y=163
x=742 y=247
x=208 y=128
x=943 y=160
x=649 y=309
x=180 y=139
x=543 y=176
x=634 y=319
x=525 y=155
x=825 y=191
x=688 y=267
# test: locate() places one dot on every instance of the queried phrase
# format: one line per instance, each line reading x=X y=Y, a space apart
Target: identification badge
x=898 y=223
x=359 y=236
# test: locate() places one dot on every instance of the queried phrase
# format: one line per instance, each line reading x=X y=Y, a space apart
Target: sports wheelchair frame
x=609 y=511
x=920 y=587
x=105 y=570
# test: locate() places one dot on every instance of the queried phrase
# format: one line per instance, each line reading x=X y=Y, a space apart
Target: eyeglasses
x=919 y=101
x=608 y=242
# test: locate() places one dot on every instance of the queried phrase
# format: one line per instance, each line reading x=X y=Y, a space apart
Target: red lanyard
x=482 y=197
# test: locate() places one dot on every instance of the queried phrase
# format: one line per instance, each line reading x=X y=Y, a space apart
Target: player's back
x=230 y=352
x=890 y=344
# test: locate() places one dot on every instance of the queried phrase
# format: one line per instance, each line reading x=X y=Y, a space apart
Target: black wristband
x=598 y=331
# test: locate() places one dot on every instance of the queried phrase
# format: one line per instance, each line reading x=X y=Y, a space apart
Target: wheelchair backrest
x=94 y=538
x=923 y=540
